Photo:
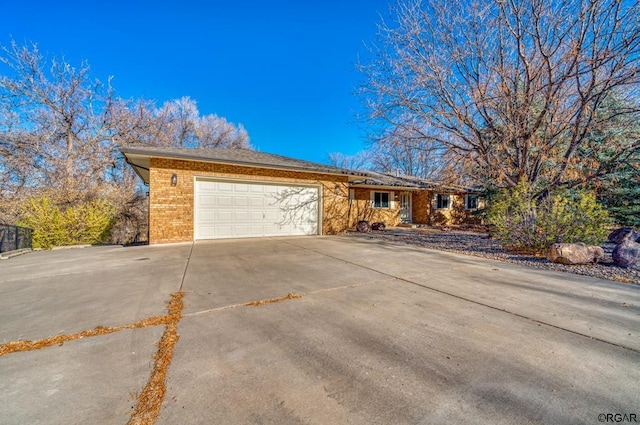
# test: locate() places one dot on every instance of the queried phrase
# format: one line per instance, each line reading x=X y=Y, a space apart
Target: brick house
x=232 y=193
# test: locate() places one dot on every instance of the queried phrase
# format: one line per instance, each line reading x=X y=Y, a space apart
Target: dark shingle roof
x=138 y=157
x=372 y=178
x=233 y=156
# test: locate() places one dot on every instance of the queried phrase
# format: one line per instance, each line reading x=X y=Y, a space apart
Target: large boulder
x=363 y=227
x=378 y=225
x=627 y=254
x=574 y=253
x=623 y=234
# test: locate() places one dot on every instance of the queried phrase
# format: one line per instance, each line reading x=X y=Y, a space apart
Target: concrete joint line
x=469 y=300
x=186 y=266
x=257 y=303
x=150 y=399
x=339 y=288
x=277 y=299
x=27 y=345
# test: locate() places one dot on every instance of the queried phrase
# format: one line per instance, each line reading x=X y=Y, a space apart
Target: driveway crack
x=150 y=399
x=186 y=266
x=256 y=303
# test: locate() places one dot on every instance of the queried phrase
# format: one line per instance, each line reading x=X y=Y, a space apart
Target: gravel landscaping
x=472 y=242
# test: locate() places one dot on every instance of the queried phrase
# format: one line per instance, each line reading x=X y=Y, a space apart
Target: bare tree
x=401 y=150
x=213 y=131
x=358 y=161
x=177 y=123
x=512 y=88
x=60 y=131
x=53 y=125
x=397 y=152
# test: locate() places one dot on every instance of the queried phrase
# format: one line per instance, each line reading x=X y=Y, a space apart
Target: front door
x=405 y=207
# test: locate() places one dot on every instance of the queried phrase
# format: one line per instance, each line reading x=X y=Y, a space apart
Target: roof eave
x=385 y=187
x=139 y=167
x=196 y=158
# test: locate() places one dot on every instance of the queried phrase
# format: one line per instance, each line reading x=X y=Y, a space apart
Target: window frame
x=440 y=196
x=373 y=199
x=467 y=197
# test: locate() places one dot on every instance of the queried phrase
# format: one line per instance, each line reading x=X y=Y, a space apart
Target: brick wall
x=361 y=208
x=456 y=215
x=422 y=209
x=171 y=207
x=424 y=212
x=422 y=204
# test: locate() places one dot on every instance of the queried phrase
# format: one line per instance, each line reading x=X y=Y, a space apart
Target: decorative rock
x=363 y=227
x=622 y=234
x=574 y=253
x=378 y=225
x=627 y=254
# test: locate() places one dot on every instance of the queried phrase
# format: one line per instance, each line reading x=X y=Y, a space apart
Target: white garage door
x=227 y=209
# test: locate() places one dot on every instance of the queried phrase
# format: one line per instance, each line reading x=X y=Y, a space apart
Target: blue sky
x=284 y=69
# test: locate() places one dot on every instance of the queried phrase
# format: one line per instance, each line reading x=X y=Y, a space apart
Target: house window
x=380 y=199
x=471 y=202
x=443 y=202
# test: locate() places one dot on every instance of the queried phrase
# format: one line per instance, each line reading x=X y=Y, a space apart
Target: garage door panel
x=206 y=200
x=223 y=231
x=256 y=201
x=256 y=216
x=224 y=201
x=240 y=216
x=240 y=201
x=208 y=190
x=206 y=232
x=208 y=217
x=271 y=216
x=271 y=230
x=239 y=209
x=255 y=229
x=239 y=187
x=226 y=216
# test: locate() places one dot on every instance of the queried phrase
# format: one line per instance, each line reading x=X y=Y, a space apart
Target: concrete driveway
x=381 y=334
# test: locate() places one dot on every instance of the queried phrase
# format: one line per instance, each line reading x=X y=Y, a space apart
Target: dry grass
x=272 y=300
x=623 y=279
x=18 y=346
x=151 y=398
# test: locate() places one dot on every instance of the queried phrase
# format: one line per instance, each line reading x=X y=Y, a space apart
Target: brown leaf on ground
x=18 y=346
x=151 y=398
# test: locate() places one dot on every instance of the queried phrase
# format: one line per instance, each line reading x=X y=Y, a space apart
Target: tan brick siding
x=171 y=208
x=171 y=211
x=422 y=209
x=424 y=212
x=422 y=204
x=361 y=209
x=456 y=215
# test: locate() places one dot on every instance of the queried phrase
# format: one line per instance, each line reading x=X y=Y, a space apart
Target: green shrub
x=526 y=223
x=53 y=225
